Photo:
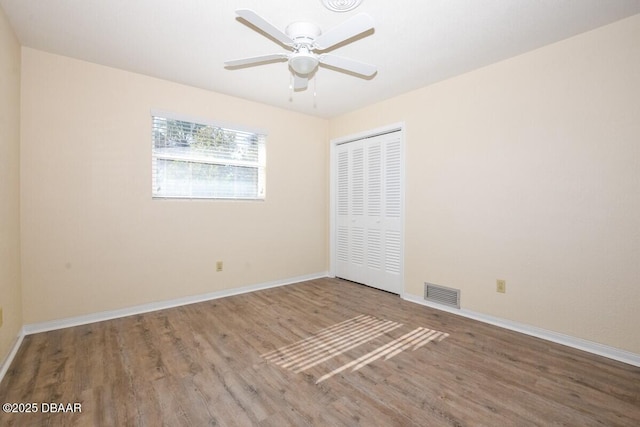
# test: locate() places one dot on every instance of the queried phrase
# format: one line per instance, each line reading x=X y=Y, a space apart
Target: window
x=202 y=160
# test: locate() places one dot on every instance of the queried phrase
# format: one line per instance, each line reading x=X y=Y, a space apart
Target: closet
x=368 y=202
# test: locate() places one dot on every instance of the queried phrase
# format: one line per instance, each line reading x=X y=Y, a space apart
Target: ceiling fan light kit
x=303 y=39
x=303 y=62
x=341 y=5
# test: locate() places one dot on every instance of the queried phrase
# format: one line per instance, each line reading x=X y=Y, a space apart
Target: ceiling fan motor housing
x=303 y=32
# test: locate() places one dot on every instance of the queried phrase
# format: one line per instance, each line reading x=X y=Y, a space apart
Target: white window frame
x=202 y=158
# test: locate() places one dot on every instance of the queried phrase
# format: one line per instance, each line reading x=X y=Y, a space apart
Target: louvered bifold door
x=369 y=212
x=342 y=211
x=392 y=212
x=351 y=249
x=374 y=213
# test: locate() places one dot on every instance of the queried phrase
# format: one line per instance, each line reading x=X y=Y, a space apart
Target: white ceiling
x=415 y=42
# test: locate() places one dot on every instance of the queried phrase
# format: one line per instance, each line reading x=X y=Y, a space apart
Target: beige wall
x=10 y=293
x=94 y=240
x=529 y=171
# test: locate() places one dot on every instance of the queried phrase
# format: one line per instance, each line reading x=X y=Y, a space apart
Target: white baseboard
x=581 y=344
x=35 y=328
x=14 y=350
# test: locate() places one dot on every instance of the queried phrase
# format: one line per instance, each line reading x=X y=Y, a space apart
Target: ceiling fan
x=305 y=39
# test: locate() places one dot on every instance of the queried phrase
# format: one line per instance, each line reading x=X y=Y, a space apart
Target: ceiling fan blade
x=347 y=64
x=258 y=21
x=255 y=60
x=300 y=82
x=348 y=29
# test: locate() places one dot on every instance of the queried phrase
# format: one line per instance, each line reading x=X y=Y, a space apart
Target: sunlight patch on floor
x=344 y=336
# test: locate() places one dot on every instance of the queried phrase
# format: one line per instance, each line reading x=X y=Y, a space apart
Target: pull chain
x=315 y=92
x=291 y=87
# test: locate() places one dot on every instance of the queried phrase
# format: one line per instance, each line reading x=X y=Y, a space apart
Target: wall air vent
x=442 y=295
x=341 y=5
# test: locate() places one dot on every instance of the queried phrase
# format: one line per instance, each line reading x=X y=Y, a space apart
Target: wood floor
x=244 y=361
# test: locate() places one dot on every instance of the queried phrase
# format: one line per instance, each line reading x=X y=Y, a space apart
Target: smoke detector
x=341 y=5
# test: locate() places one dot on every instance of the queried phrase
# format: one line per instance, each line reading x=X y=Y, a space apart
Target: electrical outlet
x=501 y=286
x=219 y=266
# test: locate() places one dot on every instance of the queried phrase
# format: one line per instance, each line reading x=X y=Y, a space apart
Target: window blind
x=205 y=161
